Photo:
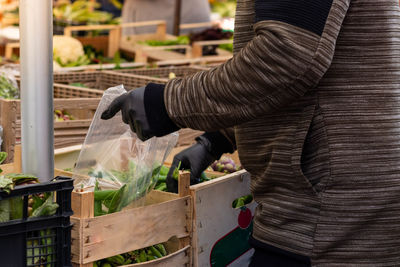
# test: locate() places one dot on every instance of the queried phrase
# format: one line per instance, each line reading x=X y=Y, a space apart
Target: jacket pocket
x=310 y=154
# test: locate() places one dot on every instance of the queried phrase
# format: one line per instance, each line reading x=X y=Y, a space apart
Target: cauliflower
x=68 y=51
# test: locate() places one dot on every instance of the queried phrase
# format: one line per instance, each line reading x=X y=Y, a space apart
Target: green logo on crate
x=235 y=243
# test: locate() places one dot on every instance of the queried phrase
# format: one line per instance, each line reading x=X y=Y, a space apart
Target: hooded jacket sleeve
x=293 y=46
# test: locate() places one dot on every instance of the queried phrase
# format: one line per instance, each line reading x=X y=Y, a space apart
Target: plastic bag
x=118 y=166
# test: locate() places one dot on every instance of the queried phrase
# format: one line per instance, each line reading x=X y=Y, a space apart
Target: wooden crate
x=163 y=73
x=80 y=102
x=107 y=44
x=103 y=80
x=164 y=215
x=213 y=218
x=215 y=223
x=133 y=44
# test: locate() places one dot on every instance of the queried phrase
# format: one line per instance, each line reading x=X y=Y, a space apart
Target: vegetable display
x=62 y=115
x=212 y=34
x=137 y=256
x=225 y=165
x=114 y=200
x=81 y=11
x=180 y=40
x=8 y=89
x=11 y=209
x=225 y=8
x=68 y=52
x=162 y=177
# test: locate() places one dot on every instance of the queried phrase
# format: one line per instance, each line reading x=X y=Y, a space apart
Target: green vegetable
x=180 y=40
x=155 y=252
x=47 y=244
x=161 y=248
x=6 y=184
x=35 y=248
x=242 y=201
x=104 y=194
x=78 y=85
x=7 y=89
x=151 y=257
x=142 y=256
x=164 y=170
x=38 y=201
x=116 y=202
x=95 y=264
x=118 y=260
x=47 y=209
x=161 y=187
x=16 y=207
x=175 y=174
x=20 y=178
x=204 y=177
x=227 y=47
x=3 y=156
x=4 y=210
x=81 y=11
x=106 y=264
x=128 y=261
x=98 y=210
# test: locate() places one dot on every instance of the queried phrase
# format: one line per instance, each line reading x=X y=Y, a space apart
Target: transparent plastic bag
x=115 y=164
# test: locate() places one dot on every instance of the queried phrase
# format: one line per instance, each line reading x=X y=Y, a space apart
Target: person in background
x=193 y=11
x=311 y=101
x=112 y=6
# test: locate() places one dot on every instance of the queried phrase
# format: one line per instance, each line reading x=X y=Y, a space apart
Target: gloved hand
x=209 y=147
x=196 y=158
x=133 y=112
x=144 y=110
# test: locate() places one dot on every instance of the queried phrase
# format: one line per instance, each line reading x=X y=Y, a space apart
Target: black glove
x=144 y=110
x=209 y=147
x=196 y=158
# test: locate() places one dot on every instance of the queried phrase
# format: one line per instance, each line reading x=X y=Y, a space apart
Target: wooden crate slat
x=162 y=72
x=106 y=235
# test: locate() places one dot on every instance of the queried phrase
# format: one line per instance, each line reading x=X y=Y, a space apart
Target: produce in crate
x=8 y=85
x=62 y=115
x=68 y=51
x=80 y=11
x=160 y=182
x=212 y=34
x=138 y=256
x=115 y=164
x=11 y=209
x=225 y=164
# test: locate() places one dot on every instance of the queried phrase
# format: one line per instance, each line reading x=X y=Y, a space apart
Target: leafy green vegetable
x=242 y=201
x=6 y=184
x=3 y=156
x=227 y=47
x=48 y=208
x=78 y=85
x=180 y=40
x=175 y=174
x=4 y=210
x=7 y=88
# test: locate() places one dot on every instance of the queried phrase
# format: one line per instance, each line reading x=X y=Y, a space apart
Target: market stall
x=42 y=111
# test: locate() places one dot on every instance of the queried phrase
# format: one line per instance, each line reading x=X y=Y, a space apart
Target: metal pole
x=177 y=16
x=36 y=52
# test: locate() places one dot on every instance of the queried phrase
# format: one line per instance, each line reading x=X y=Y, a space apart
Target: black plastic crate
x=39 y=241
